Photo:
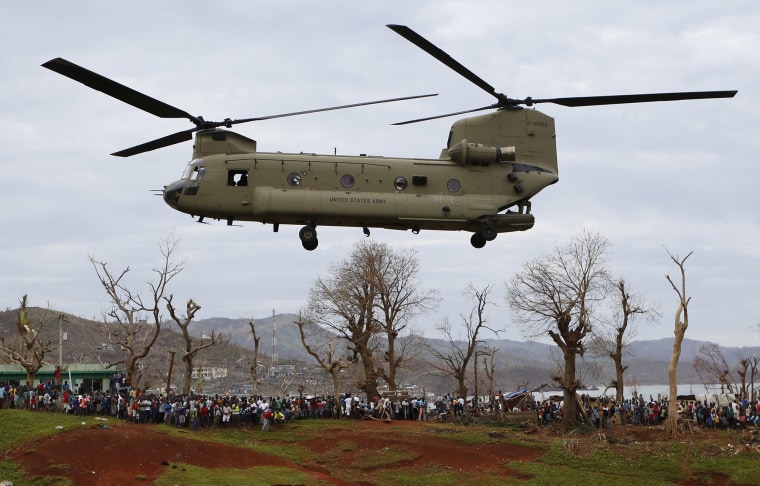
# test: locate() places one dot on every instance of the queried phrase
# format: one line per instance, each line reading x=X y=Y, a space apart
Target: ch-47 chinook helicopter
x=482 y=182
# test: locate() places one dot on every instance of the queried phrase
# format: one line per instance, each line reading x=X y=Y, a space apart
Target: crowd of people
x=205 y=411
x=717 y=412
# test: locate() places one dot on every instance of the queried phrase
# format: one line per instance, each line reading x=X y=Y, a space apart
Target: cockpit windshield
x=195 y=170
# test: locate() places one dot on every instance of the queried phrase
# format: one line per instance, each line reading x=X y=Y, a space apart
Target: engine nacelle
x=465 y=153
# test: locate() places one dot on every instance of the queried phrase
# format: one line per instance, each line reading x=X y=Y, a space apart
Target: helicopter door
x=239 y=190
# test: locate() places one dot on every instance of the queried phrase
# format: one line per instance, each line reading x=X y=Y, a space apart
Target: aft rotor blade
x=172 y=139
x=259 y=118
x=116 y=90
x=632 y=98
x=489 y=107
x=446 y=59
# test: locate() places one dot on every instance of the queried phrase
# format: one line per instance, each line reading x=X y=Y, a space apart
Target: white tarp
x=722 y=399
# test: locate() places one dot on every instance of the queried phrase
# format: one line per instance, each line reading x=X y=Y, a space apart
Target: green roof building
x=88 y=377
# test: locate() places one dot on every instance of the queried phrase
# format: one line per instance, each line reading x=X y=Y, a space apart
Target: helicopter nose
x=172 y=193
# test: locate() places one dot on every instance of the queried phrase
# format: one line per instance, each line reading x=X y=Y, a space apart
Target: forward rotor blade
x=172 y=139
x=116 y=90
x=632 y=98
x=449 y=61
x=489 y=107
x=259 y=118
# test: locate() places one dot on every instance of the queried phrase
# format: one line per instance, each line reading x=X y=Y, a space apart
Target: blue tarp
x=514 y=394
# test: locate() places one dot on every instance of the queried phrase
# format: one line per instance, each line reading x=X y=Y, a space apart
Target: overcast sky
x=681 y=176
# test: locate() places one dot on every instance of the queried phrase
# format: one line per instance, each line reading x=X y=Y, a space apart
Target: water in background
x=646 y=390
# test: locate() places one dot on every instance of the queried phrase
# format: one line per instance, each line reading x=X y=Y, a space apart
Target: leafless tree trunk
x=286 y=382
x=681 y=324
x=172 y=354
x=192 y=346
x=32 y=347
x=587 y=372
x=555 y=296
x=255 y=362
x=742 y=370
x=326 y=358
x=612 y=339
x=461 y=349
x=125 y=325
x=489 y=368
x=753 y=362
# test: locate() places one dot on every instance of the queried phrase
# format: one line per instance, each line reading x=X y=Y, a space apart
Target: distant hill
x=517 y=362
x=238 y=332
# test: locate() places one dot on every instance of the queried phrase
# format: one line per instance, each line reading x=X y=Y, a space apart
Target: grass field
x=365 y=452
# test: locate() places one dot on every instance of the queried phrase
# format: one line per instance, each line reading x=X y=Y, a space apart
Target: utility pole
x=274 y=340
x=61 y=319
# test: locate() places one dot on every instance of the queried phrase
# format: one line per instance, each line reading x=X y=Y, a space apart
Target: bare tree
x=712 y=368
x=612 y=339
x=32 y=347
x=681 y=324
x=399 y=299
x=461 y=348
x=344 y=304
x=172 y=355
x=489 y=367
x=368 y=300
x=255 y=360
x=555 y=296
x=753 y=365
x=192 y=346
x=124 y=322
x=287 y=381
x=325 y=354
x=742 y=370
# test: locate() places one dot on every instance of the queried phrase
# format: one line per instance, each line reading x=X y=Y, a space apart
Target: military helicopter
x=482 y=182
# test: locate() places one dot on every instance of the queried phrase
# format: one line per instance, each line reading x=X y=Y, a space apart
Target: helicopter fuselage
x=482 y=182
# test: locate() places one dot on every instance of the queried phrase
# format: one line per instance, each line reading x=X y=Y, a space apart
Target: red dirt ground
x=126 y=454
x=133 y=454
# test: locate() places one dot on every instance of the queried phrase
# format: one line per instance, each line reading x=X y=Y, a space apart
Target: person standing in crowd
x=265 y=418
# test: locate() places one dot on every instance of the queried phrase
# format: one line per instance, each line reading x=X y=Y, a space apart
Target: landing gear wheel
x=308 y=237
x=488 y=232
x=477 y=240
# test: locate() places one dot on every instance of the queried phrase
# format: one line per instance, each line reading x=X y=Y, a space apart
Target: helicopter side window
x=294 y=179
x=237 y=177
x=347 y=181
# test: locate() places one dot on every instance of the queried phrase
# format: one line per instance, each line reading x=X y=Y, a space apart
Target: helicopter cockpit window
x=347 y=181
x=197 y=173
x=400 y=183
x=294 y=179
x=237 y=177
x=454 y=185
x=195 y=170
